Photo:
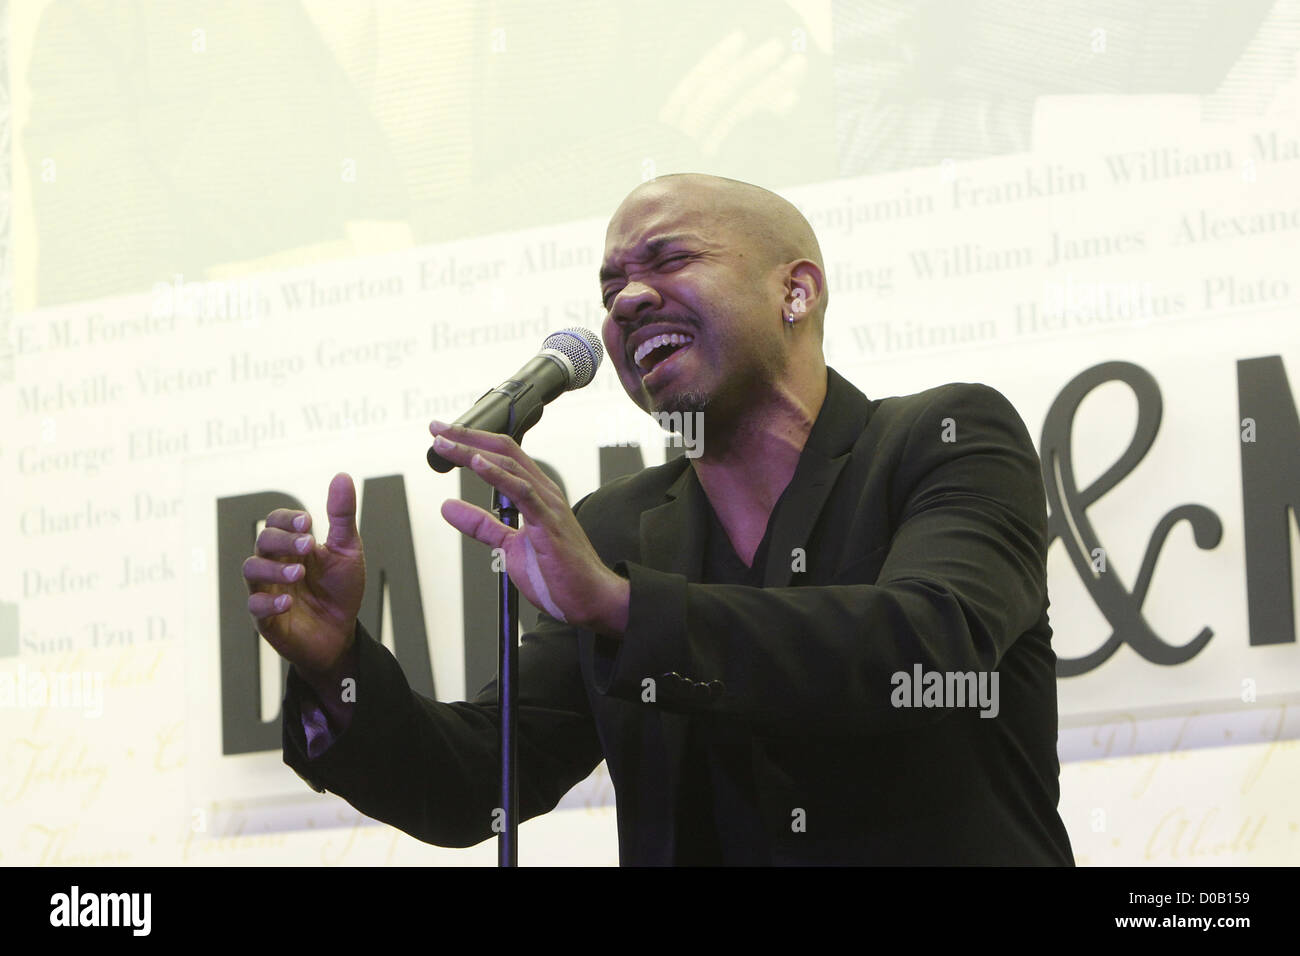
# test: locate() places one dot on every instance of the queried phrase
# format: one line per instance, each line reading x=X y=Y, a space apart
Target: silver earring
x=790 y=317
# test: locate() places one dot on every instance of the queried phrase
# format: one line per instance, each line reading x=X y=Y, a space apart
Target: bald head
x=731 y=276
x=772 y=230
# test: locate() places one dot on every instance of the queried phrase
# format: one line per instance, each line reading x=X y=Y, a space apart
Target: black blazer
x=923 y=528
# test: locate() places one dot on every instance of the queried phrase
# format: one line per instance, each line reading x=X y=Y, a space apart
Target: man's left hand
x=549 y=557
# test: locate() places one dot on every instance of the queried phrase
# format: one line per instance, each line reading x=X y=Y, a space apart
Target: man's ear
x=804 y=287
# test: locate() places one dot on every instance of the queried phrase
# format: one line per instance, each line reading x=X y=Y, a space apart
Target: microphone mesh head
x=582 y=348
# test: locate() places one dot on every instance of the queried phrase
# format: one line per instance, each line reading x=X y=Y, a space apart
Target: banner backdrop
x=1128 y=280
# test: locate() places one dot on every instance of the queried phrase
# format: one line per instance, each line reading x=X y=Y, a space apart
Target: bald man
x=824 y=640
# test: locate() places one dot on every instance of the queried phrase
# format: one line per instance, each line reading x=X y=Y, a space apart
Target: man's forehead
x=637 y=232
x=678 y=204
x=635 y=227
x=638 y=236
x=634 y=221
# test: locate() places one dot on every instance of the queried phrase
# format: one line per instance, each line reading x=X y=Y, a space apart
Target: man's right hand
x=321 y=593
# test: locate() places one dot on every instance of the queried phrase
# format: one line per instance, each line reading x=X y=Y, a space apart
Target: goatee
x=687 y=403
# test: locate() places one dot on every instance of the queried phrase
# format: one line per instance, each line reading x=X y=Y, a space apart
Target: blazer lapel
x=672 y=533
x=840 y=422
x=806 y=496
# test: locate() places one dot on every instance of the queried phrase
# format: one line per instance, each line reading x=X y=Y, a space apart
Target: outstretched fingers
x=474 y=521
x=474 y=439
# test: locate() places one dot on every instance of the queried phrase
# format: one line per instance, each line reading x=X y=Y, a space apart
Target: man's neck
x=745 y=467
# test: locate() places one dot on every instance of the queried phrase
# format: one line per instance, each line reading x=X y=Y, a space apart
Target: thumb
x=341 y=505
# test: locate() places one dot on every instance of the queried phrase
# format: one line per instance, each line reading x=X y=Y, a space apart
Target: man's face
x=673 y=269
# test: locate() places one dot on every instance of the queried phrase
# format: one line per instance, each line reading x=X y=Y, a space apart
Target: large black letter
x=385 y=529
x=242 y=728
x=1270 y=495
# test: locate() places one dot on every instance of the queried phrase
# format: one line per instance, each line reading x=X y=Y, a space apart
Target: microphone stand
x=525 y=410
x=521 y=403
x=507 y=693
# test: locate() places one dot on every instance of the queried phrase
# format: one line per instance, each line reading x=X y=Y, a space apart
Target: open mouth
x=654 y=351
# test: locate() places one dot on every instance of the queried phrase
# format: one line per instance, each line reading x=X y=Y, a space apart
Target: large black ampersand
x=1069 y=521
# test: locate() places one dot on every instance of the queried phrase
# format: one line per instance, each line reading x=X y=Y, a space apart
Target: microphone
x=568 y=360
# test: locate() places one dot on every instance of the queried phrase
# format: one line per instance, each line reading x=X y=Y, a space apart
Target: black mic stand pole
x=525 y=410
x=507 y=693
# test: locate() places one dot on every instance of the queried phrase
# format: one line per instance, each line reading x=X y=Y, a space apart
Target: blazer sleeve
x=962 y=578
x=431 y=768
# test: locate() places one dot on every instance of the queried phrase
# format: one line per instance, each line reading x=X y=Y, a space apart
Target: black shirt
x=718 y=821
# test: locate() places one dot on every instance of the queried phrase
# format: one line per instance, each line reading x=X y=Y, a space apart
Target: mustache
x=682 y=321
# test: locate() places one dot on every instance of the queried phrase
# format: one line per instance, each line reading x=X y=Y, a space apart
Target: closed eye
x=662 y=262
